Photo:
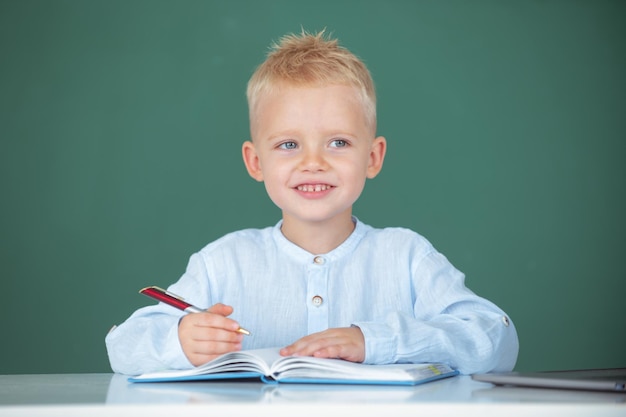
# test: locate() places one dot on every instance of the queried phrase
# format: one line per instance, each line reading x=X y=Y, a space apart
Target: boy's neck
x=318 y=237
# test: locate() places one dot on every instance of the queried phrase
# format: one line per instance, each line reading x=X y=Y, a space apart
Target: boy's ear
x=377 y=156
x=251 y=160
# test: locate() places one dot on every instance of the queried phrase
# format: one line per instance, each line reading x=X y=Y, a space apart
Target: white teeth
x=313 y=188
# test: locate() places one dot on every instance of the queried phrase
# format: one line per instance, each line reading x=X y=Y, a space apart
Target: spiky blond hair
x=311 y=60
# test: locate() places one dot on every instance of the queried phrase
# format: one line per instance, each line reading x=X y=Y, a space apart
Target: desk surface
x=108 y=394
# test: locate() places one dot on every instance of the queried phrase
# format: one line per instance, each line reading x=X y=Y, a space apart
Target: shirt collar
x=297 y=253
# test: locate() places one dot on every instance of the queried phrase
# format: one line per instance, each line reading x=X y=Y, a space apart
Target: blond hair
x=311 y=60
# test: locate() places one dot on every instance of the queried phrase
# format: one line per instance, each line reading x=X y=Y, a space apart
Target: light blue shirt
x=408 y=300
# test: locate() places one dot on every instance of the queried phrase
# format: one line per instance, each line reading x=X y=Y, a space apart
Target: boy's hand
x=204 y=336
x=342 y=343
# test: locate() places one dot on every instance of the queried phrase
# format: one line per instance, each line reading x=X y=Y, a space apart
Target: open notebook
x=268 y=366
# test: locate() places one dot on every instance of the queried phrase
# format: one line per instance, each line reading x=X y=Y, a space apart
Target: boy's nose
x=313 y=160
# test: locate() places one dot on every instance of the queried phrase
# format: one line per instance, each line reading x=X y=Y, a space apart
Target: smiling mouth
x=310 y=188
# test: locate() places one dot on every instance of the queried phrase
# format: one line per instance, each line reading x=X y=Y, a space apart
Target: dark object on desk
x=613 y=379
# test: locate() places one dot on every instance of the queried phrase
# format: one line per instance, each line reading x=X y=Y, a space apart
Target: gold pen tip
x=243 y=331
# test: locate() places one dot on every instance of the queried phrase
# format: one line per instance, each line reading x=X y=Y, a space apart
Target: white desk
x=96 y=395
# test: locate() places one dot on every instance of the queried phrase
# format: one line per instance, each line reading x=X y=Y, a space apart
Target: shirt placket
x=317 y=295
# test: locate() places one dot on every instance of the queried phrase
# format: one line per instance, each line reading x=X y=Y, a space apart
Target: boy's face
x=314 y=150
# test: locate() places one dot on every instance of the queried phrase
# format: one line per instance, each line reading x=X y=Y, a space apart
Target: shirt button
x=319 y=260
x=506 y=321
x=317 y=301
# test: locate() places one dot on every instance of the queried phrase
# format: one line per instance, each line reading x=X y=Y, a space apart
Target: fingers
x=342 y=343
x=206 y=335
x=221 y=309
x=213 y=318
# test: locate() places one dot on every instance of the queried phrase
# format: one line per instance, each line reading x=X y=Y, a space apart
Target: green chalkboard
x=121 y=123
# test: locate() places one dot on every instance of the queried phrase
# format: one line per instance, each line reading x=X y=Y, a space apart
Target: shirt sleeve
x=148 y=340
x=449 y=324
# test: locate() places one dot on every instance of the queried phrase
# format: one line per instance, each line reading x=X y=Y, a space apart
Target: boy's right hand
x=204 y=336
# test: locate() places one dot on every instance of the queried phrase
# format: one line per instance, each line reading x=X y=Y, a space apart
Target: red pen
x=176 y=301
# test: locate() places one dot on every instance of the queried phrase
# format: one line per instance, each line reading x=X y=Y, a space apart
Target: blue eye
x=288 y=145
x=339 y=143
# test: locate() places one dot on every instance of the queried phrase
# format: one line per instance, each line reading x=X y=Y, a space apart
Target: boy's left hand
x=345 y=343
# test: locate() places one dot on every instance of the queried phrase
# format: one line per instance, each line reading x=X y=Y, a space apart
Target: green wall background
x=121 y=123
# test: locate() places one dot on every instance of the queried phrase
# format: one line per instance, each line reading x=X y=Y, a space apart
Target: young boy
x=320 y=282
